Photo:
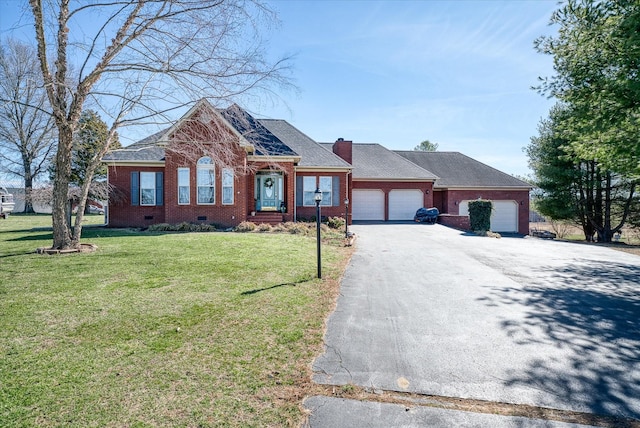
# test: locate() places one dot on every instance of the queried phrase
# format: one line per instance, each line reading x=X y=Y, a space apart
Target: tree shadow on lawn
x=258 y=290
x=591 y=310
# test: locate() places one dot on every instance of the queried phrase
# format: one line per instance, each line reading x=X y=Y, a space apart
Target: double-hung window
x=206 y=181
x=308 y=188
x=227 y=186
x=325 y=188
x=147 y=188
x=184 y=192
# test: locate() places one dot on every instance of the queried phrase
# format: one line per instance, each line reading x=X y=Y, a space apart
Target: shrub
x=182 y=227
x=245 y=226
x=280 y=227
x=297 y=228
x=160 y=227
x=264 y=227
x=204 y=228
x=335 y=222
x=561 y=228
x=480 y=215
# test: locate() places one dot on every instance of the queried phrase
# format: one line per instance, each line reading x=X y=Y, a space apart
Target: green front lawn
x=159 y=329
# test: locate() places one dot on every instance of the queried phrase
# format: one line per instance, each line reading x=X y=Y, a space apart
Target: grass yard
x=629 y=241
x=160 y=329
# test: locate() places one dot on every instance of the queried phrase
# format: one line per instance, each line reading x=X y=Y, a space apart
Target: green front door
x=270 y=186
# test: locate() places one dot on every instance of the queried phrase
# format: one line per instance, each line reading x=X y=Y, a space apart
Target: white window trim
x=315 y=186
x=188 y=186
x=329 y=192
x=232 y=186
x=153 y=174
x=205 y=166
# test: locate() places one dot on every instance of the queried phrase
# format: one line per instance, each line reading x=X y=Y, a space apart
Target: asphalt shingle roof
x=373 y=161
x=457 y=170
x=264 y=141
x=312 y=154
x=147 y=149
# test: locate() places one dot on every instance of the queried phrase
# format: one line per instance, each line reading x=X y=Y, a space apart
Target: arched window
x=206 y=181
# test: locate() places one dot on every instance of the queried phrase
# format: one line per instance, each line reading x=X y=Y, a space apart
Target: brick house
x=223 y=167
x=462 y=179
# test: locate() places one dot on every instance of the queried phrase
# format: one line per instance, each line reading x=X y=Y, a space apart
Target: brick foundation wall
x=456 y=221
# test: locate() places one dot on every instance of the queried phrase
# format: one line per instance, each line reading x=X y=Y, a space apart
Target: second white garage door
x=368 y=204
x=403 y=203
x=504 y=217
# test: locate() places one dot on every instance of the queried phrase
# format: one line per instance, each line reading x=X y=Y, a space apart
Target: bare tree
x=27 y=129
x=138 y=60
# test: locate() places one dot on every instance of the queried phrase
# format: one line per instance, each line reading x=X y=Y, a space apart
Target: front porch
x=273 y=197
x=268 y=217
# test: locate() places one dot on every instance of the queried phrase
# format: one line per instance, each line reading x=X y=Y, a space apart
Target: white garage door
x=368 y=204
x=504 y=217
x=403 y=203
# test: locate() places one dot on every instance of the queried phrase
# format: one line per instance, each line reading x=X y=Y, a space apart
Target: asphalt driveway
x=428 y=309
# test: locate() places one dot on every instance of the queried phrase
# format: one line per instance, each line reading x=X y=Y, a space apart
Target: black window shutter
x=335 y=190
x=135 y=188
x=299 y=191
x=159 y=188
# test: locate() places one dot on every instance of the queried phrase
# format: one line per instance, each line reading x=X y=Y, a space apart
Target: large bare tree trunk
x=28 y=193
x=143 y=59
x=60 y=207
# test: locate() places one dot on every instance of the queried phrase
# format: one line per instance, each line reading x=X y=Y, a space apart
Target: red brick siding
x=456 y=221
x=386 y=186
x=344 y=149
x=437 y=200
x=337 y=211
x=452 y=198
x=219 y=214
x=121 y=212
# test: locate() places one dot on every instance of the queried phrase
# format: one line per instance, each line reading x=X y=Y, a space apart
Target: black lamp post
x=346 y=217
x=317 y=196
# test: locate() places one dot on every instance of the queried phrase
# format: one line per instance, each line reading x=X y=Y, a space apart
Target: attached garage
x=403 y=203
x=504 y=217
x=368 y=204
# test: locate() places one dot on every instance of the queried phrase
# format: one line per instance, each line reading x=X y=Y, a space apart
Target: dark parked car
x=426 y=215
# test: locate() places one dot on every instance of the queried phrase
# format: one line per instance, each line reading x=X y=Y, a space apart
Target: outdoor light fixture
x=346 y=217
x=317 y=196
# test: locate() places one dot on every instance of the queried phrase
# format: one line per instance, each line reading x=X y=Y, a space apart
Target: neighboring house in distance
x=16 y=188
x=462 y=179
x=270 y=173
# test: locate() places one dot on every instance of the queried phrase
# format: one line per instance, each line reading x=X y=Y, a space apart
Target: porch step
x=267 y=217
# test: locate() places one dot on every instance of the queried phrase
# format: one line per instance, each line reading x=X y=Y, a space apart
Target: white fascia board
x=135 y=163
x=391 y=180
x=484 y=188
x=272 y=159
x=323 y=168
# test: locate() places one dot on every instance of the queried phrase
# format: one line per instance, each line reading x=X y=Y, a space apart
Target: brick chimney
x=344 y=149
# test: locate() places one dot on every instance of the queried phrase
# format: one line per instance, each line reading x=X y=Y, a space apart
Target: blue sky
x=455 y=72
